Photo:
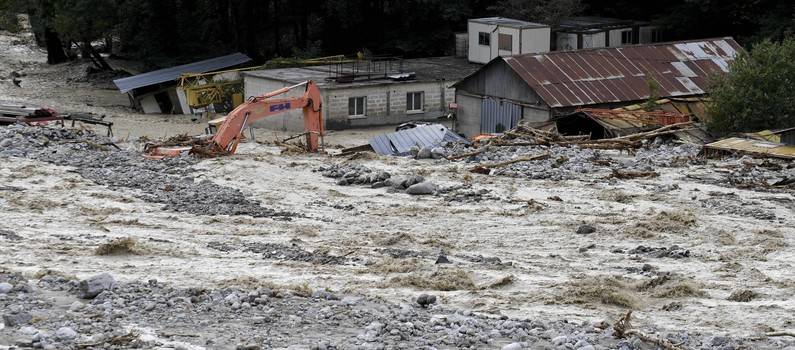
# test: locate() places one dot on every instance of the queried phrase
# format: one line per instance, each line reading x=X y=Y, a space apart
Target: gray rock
x=587 y=347
x=512 y=346
x=424 y=153
x=442 y=259
x=65 y=333
x=17 y=319
x=93 y=286
x=585 y=229
x=437 y=153
x=422 y=188
x=426 y=300
x=5 y=287
x=560 y=340
x=76 y=306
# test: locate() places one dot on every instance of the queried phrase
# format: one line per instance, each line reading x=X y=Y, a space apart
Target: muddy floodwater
x=273 y=249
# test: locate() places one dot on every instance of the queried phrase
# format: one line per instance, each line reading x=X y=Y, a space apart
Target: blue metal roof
x=172 y=73
x=399 y=143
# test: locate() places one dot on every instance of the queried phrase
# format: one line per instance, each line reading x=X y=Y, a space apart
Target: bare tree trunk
x=55 y=52
x=276 y=34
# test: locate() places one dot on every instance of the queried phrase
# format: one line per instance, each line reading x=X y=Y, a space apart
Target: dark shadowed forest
x=163 y=32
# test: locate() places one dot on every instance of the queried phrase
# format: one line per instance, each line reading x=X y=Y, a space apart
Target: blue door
x=498 y=116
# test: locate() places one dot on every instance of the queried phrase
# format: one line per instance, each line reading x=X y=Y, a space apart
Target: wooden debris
x=467 y=155
x=623 y=329
x=480 y=169
x=524 y=135
x=632 y=174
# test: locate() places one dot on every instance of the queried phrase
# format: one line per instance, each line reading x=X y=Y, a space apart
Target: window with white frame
x=357 y=106
x=626 y=37
x=484 y=38
x=414 y=101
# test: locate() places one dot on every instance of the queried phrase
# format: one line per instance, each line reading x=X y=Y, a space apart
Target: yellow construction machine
x=225 y=88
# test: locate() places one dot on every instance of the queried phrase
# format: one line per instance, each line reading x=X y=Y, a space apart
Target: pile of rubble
x=353 y=174
x=61 y=312
x=557 y=162
x=170 y=182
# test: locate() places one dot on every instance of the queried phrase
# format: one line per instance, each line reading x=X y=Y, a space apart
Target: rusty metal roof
x=619 y=74
x=753 y=147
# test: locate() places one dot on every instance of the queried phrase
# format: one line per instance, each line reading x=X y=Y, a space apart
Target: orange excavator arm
x=256 y=108
x=227 y=138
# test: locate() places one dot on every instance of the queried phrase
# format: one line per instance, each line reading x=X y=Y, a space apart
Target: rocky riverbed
x=55 y=311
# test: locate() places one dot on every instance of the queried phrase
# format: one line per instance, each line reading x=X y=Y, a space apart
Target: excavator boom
x=228 y=136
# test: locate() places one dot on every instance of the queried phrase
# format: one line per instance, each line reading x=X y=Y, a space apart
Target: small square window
x=357 y=106
x=506 y=42
x=626 y=37
x=414 y=101
x=484 y=38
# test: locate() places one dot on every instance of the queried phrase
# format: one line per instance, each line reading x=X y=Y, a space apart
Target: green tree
x=544 y=11
x=758 y=92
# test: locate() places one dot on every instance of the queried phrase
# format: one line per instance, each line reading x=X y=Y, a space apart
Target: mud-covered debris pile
x=354 y=174
x=570 y=162
x=170 y=182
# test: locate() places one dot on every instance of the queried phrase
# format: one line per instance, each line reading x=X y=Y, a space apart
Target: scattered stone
x=93 y=286
x=585 y=229
x=442 y=259
x=674 y=252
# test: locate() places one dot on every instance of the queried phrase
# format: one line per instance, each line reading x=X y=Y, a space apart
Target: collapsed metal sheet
x=399 y=143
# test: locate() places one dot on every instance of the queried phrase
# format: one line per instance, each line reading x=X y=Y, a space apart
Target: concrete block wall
x=385 y=103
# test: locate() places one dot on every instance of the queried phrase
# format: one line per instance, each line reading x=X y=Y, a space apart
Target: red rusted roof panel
x=620 y=74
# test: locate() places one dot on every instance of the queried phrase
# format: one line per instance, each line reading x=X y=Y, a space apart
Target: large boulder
x=91 y=287
x=422 y=188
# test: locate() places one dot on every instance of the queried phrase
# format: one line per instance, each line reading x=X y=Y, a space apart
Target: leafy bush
x=758 y=93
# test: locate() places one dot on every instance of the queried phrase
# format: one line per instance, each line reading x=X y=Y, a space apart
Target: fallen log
x=632 y=174
x=480 y=168
x=623 y=328
x=466 y=155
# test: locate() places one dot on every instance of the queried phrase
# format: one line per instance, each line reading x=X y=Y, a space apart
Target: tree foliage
x=758 y=93
x=167 y=32
x=543 y=11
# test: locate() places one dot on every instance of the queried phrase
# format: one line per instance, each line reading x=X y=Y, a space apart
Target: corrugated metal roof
x=619 y=74
x=172 y=73
x=400 y=142
x=755 y=147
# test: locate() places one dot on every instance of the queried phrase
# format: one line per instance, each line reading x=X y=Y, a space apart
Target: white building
x=575 y=33
x=497 y=36
x=383 y=93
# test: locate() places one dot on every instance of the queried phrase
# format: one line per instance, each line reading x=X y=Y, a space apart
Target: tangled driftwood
x=623 y=328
